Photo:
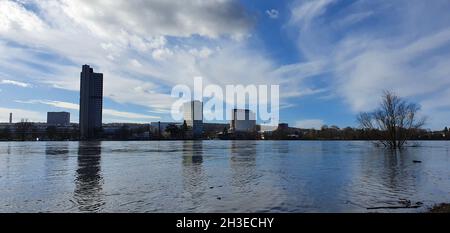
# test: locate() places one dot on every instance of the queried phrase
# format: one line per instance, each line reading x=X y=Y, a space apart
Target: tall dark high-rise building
x=91 y=103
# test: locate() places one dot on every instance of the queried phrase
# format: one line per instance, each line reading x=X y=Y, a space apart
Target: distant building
x=10 y=118
x=91 y=102
x=283 y=126
x=243 y=120
x=193 y=115
x=58 y=118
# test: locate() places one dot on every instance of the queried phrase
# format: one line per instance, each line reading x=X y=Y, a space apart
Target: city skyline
x=331 y=58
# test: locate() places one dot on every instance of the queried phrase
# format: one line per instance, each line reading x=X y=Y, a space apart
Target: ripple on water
x=219 y=176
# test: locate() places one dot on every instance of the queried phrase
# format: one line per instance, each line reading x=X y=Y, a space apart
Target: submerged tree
x=394 y=121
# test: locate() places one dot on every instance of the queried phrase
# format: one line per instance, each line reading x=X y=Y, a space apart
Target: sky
x=331 y=58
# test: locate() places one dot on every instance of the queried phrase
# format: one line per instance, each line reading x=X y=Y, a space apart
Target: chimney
x=10 y=118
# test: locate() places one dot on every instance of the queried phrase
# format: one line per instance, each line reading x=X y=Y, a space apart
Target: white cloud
x=201 y=53
x=58 y=104
x=15 y=83
x=365 y=74
x=13 y=17
x=210 y=18
x=371 y=46
x=354 y=18
x=107 y=40
x=310 y=124
x=19 y=114
x=162 y=54
x=107 y=112
x=140 y=65
x=128 y=115
x=273 y=13
x=303 y=12
x=303 y=92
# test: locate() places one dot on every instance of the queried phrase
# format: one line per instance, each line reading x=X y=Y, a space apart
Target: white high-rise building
x=243 y=120
x=193 y=115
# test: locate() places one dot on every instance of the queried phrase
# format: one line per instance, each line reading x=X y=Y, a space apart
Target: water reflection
x=243 y=164
x=319 y=175
x=389 y=174
x=192 y=152
x=192 y=170
x=8 y=150
x=56 y=157
x=396 y=174
x=5 y=164
x=219 y=176
x=89 y=180
x=280 y=147
x=52 y=148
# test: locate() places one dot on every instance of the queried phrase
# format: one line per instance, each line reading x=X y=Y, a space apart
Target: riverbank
x=441 y=208
x=215 y=139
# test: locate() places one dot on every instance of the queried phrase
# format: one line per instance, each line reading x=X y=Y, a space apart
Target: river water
x=220 y=176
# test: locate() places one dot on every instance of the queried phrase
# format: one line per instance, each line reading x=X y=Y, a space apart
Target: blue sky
x=331 y=58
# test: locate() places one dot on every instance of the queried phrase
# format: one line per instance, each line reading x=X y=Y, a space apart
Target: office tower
x=193 y=115
x=243 y=120
x=58 y=118
x=10 y=118
x=91 y=103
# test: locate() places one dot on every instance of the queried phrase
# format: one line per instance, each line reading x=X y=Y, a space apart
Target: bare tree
x=24 y=128
x=394 y=121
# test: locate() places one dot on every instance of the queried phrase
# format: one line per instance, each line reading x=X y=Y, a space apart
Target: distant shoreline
x=441 y=208
x=153 y=140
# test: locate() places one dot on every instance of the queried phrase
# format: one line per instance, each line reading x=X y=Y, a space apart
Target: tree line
x=392 y=124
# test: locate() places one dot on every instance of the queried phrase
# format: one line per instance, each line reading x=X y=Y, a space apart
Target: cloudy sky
x=331 y=58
